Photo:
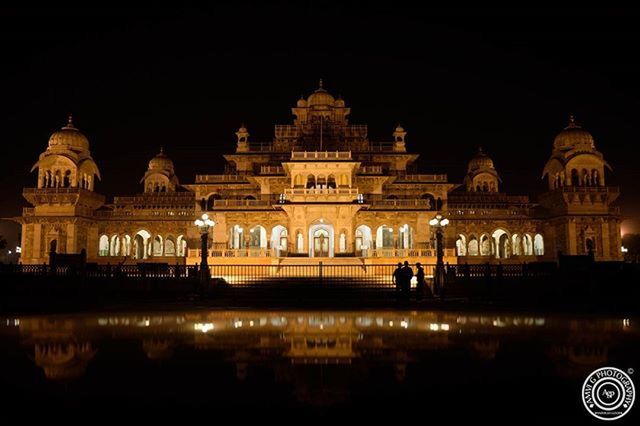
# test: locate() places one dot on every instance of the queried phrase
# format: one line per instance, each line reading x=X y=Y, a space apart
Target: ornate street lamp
x=439 y=223
x=204 y=224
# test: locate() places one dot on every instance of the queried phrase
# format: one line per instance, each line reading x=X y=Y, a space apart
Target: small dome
x=69 y=137
x=399 y=128
x=573 y=136
x=320 y=97
x=302 y=102
x=161 y=162
x=480 y=161
x=339 y=102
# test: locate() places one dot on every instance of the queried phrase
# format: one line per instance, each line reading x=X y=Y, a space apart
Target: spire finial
x=320 y=84
x=161 y=149
x=572 y=121
x=480 y=150
x=69 y=124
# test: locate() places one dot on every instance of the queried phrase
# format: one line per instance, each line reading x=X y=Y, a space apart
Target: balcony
x=343 y=195
x=320 y=155
x=231 y=178
x=370 y=170
x=420 y=204
x=271 y=170
x=241 y=204
x=422 y=178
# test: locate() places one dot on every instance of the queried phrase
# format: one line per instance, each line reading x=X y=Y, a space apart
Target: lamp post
x=204 y=224
x=439 y=223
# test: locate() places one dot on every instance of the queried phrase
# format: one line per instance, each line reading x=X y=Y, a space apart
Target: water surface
x=298 y=367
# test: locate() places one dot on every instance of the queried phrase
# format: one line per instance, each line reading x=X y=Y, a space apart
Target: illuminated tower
x=64 y=200
x=579 y=203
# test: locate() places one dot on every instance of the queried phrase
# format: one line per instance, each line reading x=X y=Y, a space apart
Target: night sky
x=138 y=79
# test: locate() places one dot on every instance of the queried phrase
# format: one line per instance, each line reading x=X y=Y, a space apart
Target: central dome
x=573 y=136
x=161 y=162
x=69 y=137
x=480 y=161
x=320 y=97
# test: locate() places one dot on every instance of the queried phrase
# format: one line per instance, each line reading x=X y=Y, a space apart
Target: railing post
x=320 y=271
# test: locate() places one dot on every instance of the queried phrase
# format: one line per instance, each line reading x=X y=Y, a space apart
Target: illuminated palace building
x=321 y=191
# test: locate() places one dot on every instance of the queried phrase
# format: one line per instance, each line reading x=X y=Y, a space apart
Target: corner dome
x=161 y=162
x=69 y=137
x=573 y=136
x=480 y=161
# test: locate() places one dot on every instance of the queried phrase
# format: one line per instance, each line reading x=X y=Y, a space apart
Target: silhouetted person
x=407 y=274
x=397 y=278
x=421 y=286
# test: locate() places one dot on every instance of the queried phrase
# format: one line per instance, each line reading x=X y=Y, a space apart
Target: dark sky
x=136 y=79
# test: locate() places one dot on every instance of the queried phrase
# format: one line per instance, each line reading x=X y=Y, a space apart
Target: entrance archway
x=321 y=243
x=321 y=240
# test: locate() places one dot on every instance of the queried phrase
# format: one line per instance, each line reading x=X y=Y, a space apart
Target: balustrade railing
x=321 y=155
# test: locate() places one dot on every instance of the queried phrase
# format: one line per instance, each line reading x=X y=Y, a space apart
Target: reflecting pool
x=212 y=367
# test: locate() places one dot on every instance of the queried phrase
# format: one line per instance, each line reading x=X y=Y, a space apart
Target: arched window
x=586 y=178
x=258 y=237
x=485 y=245
x=249 y=197
x=461 y=245
x=169 y=247
x=472 y=248
x=538 y=245
x=590 y=245
x=181 y=244
x=527 y=245
x=279 y=240
x=321 y=182
x=157 y=246
x=298 y=181
x=595 y=178
x=405 y=237
x=516 y=244
x=364 y=240
x=103 y=246
x=331 y=181
x=299 y=242
x=141 y=246
x=126 y=245
x=236 y=237
x=575 y=179
x=311 y=182
x=502 y=244
x=343 y=180
x=66 y=180
x=342 y=242
x=384 y=237
x=114 y=246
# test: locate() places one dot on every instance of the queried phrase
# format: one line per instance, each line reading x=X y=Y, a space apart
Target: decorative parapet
x=320 y=155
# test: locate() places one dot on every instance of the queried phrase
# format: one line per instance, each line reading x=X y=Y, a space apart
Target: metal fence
x=247 y=274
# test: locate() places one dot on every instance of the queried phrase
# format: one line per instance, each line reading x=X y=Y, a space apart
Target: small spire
x=161 y=149
x=480 y=152
x=320 y=84
x=69 y=124
x=572 y=121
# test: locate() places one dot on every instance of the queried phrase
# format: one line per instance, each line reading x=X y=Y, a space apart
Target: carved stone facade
x=321 y=190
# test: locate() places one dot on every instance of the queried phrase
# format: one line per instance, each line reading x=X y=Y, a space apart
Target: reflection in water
x=323 y=358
